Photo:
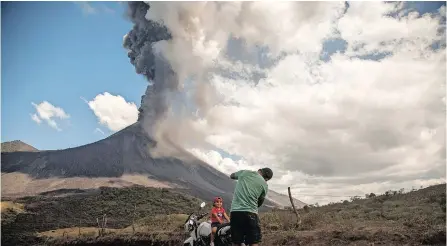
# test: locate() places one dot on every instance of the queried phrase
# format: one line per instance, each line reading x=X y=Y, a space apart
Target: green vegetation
x=82 y=209
x=394 y=218
x=119 y=204
x=10 y=210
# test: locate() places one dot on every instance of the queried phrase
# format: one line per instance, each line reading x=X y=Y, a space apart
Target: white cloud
x=107 y=9
x=36 y=118
x=359 y=28
x=113 y=111
x=348 y=126
x=86 y=8
x=49 y=113
x=98 y=130
x=84 y=100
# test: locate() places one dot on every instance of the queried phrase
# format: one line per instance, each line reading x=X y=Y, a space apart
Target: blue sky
x=58 y=52
x=61 y=51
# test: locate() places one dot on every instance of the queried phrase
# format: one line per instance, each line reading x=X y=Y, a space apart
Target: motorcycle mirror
x=202 y=205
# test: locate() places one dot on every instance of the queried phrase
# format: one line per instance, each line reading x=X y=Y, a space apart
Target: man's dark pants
x=245 y=228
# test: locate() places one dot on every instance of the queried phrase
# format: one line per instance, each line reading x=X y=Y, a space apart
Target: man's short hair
x=266 y=172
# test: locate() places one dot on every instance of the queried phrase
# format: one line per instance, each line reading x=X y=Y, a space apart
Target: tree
x=370 y=195
x=442 y=202
x=355 y=198
x=306 y=208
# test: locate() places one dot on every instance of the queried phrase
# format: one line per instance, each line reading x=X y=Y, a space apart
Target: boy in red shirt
x=217 y=215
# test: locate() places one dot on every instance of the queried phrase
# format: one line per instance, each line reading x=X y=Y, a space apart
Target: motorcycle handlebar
x=201 y=216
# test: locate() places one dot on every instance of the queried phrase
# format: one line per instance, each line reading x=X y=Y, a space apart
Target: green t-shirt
x=249 y=188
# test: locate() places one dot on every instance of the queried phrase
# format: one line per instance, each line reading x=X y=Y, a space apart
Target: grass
x=154 y=224
x=11 y=206
x=74 y=232
x=415 y=218
x=121 y=206
x=151 y=230
x=10 y=210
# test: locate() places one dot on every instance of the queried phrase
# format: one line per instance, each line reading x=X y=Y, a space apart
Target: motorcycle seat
x=219 y=227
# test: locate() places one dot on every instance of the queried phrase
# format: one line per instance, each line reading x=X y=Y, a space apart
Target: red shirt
x=220 y=213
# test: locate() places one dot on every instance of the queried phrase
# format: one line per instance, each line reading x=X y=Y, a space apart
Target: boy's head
x=217 y=202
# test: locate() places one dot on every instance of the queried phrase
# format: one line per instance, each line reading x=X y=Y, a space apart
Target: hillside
x=110 y=162
x=17 y=146
x=56 y=209
x=284 y=201
x=74 y=208
x=414 y=218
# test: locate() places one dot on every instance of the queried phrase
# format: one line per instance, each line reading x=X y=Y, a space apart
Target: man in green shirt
x=249 y=194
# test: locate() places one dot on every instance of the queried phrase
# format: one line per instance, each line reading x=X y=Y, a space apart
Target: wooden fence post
x=133 y=219
x=99 y=227
x=298 y=218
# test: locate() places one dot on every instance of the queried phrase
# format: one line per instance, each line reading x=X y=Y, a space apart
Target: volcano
x=119 y=160
x=124 y=158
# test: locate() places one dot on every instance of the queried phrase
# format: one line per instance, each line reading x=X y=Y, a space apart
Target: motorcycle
x=200 y=233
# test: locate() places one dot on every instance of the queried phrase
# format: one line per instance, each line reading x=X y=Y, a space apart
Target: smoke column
x=140 y=43
x=180 y=46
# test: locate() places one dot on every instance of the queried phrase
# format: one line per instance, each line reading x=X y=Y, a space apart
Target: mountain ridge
x=119 y=160
x=16 y=146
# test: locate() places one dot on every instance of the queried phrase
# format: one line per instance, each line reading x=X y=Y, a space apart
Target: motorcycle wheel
x=224 y=241
x=199 y=243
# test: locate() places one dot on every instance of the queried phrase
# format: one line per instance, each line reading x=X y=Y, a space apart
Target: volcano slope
x=120 y=160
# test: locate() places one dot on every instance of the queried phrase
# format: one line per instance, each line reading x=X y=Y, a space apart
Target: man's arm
x=261 y=199
x=236 y=174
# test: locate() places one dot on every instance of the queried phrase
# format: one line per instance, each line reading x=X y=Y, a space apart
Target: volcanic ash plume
x=180 y=47
x=141 y=45
x=145 y=43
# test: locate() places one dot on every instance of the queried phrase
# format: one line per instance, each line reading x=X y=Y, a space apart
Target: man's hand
x=260 y=201
x=233 y=176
